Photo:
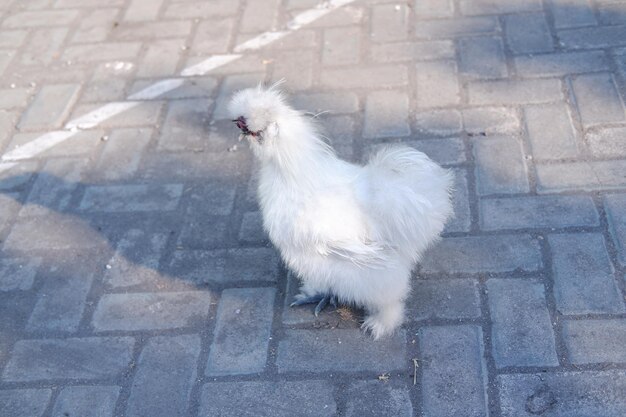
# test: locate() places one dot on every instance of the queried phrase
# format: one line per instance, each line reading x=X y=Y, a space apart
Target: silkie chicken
x=351 y=233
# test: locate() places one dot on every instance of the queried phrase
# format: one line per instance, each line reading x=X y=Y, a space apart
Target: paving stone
x=595 y=341
x=443 y=299
x=364 y=77
x=166 y=372
x=280 y=399
x=522 y=330
x=5 y=59
x=347 y=15
x=528 y=33
x=482 y=57
x=472 y=7
x=572 y=13
x=9 y=206
x=112 y=89
x=406 y=51
x=153 y=65
x=607 y=141
x=389 y=23
x=371 y=398
x=122 y=153
x=448 y=28
x=386 y=114
x=85 y=3
x=95 y=26
x=50 y=107
x=438 y=122
x=185 y=166
x=491 y=121
x=593 y=37
x=86 y=401
x=445 y=151
x=43 y=46
x=550 y=131
x=334 y=350
x=607 y=15
x=29 y=19
x=341 y=46
x=186 y=125
x=152 y=30
x=616 y=212
x=560 y=64
x=242 y=331
x=142 y=10
x=75 y=358
x=500 y=253
x=259 y=16
x=453 y=371
x=434 y=8
x=588 y=393
x=101 y=52
x=437 y=84
x=583 y=275
x=252 y=228
x=514 y=91
x=537 y=212
x=54 y=187
x=7 y=124
x=15 y=97
x=18 y=273
x=147 y=311
x=501 y=167
x=296 y=67
x=230 y=85
x=596 y=175
x=193 y=10
x=12 y=38
x=61 y=299
x=52 y=231
x=212 y=36
x=24 y=402
x=335 y=102
x=120 y=198
x=136 y=259
x=597 y=99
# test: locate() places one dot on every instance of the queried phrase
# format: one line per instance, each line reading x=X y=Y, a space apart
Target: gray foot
x=322 y=301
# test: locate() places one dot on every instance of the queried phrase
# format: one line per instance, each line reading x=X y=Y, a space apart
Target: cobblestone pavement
x=136 y=280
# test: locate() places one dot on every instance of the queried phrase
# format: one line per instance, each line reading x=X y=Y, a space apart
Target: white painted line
x=5 y=166
x=37 y=146
x=99 y=115
x=260 y=41
x=209 y=64
x=157 y=89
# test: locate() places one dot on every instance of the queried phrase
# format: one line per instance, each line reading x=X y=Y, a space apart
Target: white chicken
x=351 y=233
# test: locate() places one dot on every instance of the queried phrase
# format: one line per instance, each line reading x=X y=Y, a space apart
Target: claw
x=321 y=300
x=307 y=300
x=321 y=305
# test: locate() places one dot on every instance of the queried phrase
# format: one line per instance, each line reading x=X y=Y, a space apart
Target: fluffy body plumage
x=351 y=231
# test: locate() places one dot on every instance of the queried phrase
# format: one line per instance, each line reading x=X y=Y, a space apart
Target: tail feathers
x=410 y=195
x=400 y=159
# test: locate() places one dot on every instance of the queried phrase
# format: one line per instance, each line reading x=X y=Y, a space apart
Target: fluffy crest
x=278 y=134
x=259 y=107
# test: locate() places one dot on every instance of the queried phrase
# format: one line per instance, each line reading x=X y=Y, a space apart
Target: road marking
x=101 y=114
